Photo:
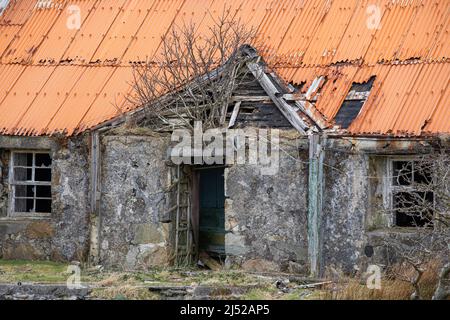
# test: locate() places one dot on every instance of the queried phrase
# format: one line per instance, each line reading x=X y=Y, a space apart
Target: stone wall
x=266 y=215
x=345 y=205
x=64 y=236
x=134 y=175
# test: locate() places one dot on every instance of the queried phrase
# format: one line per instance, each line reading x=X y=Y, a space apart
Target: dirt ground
x=171 y=283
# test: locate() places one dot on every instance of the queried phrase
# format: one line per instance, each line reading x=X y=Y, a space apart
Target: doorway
x=211 y=209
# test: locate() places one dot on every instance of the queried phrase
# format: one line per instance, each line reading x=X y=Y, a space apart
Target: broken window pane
x=43 y=160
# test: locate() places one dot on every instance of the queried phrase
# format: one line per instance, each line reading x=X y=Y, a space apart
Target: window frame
x=12 y=213
x=394 y=189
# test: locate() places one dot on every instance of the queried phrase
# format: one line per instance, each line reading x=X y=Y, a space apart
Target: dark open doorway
x=211 y=209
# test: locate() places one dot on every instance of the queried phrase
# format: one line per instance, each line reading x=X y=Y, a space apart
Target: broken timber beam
x=234 y=114
x=274 y=94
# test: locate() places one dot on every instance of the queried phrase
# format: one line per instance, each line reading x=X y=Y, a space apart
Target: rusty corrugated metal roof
x=57 y=78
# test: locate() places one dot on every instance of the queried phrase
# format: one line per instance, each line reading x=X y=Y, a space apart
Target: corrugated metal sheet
x=93 y=31
x=17 y=12
x=80 y=100
x=405 y=44
x=10 y=73
x=122 y=31
x=31 y=35
x=16 y=104
x=112 y=101
x=148 y=38
x=7 y=34
x=61 y=36
x=405 y=99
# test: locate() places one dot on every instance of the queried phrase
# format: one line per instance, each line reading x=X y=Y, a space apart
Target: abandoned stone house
x=351 y=100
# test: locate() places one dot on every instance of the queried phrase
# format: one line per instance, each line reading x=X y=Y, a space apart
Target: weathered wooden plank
x=234 y=114
x=274 y=94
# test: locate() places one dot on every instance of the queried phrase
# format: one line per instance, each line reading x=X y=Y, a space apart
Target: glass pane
x=43 y=191
x=402 y=173
x=43 y=160
x=23 y=174
x=23 y=205
x=24 y=191
x=23 y=159
x=42 y=174
x=43 y=206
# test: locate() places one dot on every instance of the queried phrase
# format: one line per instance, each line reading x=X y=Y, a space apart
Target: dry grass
x=393 y=287
x=124 y=292
x=13 y=271
x=122 y=286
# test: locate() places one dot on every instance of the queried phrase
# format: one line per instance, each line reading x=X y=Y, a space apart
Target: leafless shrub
x=193 y=75
x=422 y=204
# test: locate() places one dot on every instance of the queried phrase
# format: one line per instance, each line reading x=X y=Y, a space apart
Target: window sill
x=18 y=217
x=398 y=230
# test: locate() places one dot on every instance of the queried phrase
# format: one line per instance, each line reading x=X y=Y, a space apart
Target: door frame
x=195 y=201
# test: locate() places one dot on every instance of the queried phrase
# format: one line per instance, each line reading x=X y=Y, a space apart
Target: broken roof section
x=66 y=65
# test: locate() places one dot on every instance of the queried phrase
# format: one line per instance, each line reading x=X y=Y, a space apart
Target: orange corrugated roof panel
x=147 y=39
x=338 y=83
x=54 y=93
x=404 y=44
x=397 y=19
x=438 y=121
x=123 y=31
x=302 y=31
x=276 y=21
x=329 y=35
x=87 y=89
x=21 y=95
x=9 y=72
x=92 y=32
x=404 y=100
x=17 y=12
x=63 y=31
x=423 y=35
x=31 y=35
x=360 y=32
x=7 y=34
x=442 y=46
x=111 y=102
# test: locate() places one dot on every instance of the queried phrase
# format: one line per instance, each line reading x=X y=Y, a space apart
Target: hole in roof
x=297 y=87
x=353 y=103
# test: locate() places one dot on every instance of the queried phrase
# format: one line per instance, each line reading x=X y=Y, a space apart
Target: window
x=412 y=194
x=30 y=178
